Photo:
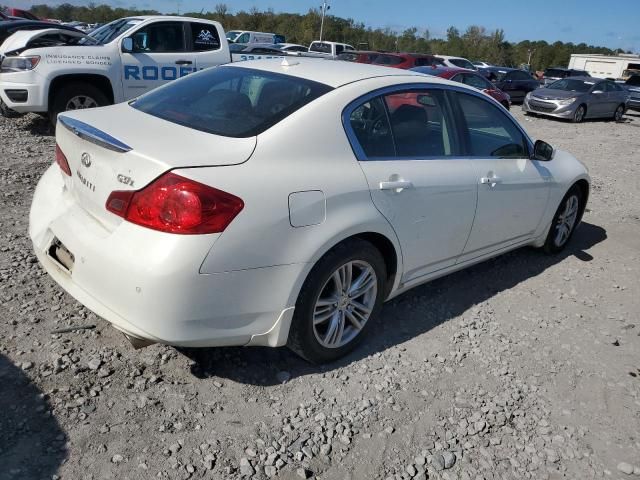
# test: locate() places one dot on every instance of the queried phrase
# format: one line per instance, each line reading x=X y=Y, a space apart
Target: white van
x=331 y=49
x=240 y=36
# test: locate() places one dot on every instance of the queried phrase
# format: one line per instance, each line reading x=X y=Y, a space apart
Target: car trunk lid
x=104 y=156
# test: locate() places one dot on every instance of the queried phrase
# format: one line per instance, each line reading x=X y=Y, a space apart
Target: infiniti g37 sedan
x=282 y=202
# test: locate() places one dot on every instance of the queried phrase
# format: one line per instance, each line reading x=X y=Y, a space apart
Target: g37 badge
x=124 y=179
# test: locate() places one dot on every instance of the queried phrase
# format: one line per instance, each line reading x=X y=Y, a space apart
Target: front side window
x=204 y=37
x=411 y=124
x=162 y=37
x=320 y=47
x=244 y=38
x=462 y=63
x=518 y=75
x=339 y=49
x=489 y=132
x=230 y=101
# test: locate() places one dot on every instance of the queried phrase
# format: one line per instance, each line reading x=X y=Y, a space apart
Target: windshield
x=572 y=85
x=109 y=32
x=233 y=34
x=230 y=101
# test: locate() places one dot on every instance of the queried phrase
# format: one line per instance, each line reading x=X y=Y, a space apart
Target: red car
x=358 y=56
x=17 y=12
x=406 y=60
x=468 y=77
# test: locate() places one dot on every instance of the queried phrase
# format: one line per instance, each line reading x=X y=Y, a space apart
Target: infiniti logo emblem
x=85 y=159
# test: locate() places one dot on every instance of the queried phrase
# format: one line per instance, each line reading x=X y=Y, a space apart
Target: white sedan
x=282 y=202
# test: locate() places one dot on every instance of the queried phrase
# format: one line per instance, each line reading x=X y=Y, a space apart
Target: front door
x=410 y=154
x=512 y=189
x=159 y=55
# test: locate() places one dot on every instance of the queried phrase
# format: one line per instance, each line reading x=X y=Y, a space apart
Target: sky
x=612 y=24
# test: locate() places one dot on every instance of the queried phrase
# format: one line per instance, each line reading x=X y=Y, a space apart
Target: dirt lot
x=526 y=366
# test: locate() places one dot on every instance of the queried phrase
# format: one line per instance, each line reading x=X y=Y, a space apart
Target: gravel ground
x=526 y=366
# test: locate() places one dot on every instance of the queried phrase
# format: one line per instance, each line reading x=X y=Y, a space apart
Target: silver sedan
x=578 y=98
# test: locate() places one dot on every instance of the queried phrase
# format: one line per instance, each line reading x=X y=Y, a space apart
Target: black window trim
x=456 y=130
x=190 y=43
x=185 y=36
x=461 y=125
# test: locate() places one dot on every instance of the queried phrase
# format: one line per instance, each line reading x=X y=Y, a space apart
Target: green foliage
x=476 y=43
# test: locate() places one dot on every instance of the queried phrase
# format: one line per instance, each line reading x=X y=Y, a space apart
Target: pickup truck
x=325 y=49
x=51 y=70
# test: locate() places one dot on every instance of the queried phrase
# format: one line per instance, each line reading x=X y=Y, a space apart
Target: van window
x=230 y=101
x=204 y=37
x=244 y=38
x=321 y=47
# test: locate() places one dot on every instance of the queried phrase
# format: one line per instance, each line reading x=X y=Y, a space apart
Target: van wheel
x=338 y=302
x=76 y=96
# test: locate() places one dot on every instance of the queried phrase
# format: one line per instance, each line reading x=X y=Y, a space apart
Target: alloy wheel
x=345 y=304
x=579 y=115
x=566 y=221
x=80 y=102
x=619 y=112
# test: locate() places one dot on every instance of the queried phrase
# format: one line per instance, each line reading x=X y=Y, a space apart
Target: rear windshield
x=555 y=73
x=572 y=85
x=230 y=101
x=388 y=60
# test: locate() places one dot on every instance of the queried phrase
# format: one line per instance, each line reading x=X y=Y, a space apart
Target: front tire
x=76 y=96
x=565 y=221
x=579 y=114
x=338 y=302
x=617 y=115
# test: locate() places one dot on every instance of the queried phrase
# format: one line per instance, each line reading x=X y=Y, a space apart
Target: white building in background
x=606 y=66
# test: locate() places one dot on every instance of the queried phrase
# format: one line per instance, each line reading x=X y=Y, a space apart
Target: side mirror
x=543 y=151
x=127 y=45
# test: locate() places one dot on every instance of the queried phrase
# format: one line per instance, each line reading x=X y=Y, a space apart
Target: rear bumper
x=147 y=283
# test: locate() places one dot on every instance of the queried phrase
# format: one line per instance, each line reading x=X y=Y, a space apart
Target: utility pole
x=323 y=8
x=530 y=52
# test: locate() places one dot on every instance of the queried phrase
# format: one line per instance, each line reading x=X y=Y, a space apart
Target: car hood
x=20 y=40
x=553 y=94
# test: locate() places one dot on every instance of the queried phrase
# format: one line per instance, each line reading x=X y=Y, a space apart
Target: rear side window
x=230 y=101
x=163 y=37
x=519 y=75
x=488 y=131
x=426 y=61
x=406 y=125
x=204 y=37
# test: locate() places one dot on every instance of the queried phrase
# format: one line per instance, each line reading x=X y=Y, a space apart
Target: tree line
x=475 y=43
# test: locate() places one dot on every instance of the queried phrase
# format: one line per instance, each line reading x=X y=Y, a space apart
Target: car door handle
x=397 y=185
x=184 y=62
x=490 y=180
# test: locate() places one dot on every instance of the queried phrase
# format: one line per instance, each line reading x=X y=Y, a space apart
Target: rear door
x=512 y=189
x=206 y=44
x=409 y=152
x=159 y=55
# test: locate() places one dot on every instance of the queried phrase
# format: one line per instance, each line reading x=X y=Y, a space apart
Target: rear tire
x=565 y=221
x=76 y=96
x=617 y=115
x=333 y=316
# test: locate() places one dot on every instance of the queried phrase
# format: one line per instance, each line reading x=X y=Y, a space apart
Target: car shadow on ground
x=407 y=316
x=32 y=443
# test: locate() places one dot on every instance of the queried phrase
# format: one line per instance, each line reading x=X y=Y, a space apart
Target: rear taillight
x=175 y=204
x=62 y=162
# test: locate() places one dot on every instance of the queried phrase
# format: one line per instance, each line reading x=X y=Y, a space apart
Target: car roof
x=501 y=69
x=588 y=79
x=430 y=70
x=330 y=72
